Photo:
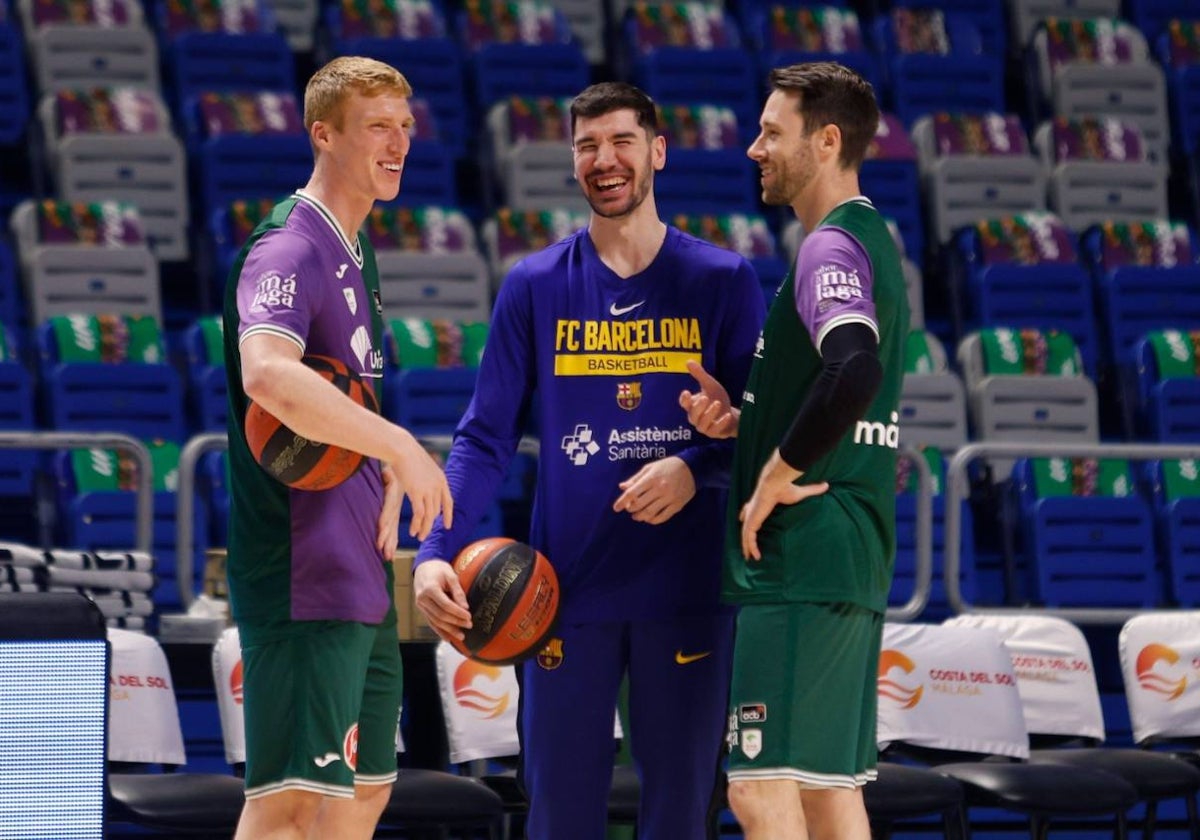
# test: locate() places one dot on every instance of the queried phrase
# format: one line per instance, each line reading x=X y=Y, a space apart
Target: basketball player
x=629 y=497
x=811 y=531
x=310 y=576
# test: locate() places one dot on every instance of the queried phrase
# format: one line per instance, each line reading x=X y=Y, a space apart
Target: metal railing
x=144 y=518
x=957 y=491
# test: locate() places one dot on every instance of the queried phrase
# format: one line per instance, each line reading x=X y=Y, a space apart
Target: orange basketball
x=297 y=461
x=513 y=595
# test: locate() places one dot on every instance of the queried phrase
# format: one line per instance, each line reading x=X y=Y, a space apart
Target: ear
x=658 y=152
x=829 y=142
x=319 y=135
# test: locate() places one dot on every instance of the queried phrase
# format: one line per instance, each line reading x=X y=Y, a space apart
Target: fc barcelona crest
x=629 y=395
x=551 y=656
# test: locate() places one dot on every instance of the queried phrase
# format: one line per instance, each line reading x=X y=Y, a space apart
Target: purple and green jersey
x=297 y=555
x=838 y=546
x=600 y=361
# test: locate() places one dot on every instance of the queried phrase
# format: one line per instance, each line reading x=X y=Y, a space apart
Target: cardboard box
x=410 y=623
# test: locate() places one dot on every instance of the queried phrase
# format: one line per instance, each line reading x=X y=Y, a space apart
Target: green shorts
x=802 y=701
x=321 y=708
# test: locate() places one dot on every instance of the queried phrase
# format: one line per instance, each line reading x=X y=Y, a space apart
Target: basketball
x=513 y=595
x=297 y=461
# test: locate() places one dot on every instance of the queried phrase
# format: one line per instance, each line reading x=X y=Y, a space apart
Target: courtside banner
x=1055 y=675
x=227 y=674
x=480 y=706
x=950 y=688
x=1160 y=662
x=143 y=718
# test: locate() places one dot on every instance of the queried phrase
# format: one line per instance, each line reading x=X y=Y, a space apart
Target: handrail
x=144 y=521
x=957 y=492
x=923 y=569
x=185 y=502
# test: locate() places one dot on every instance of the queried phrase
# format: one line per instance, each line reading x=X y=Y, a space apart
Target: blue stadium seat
x=223 y=52
x=16 y=414
x=1087 y=534
x=1023 y=271
x=248 y=144
x=10 y=290
x=14 y=95
x=1168 y=386
x=1153 y=16
x=207 y=392
x=1146 y=278
x=1178 y=50
x=784 y=33
x=428 y=401
x=416 y=39
x=935 y=62
x=708 y=171
x=891 y=178
x=106 y=518
x=713 y=67
x=1175 y=491
x=522 y=47
x=143 y=398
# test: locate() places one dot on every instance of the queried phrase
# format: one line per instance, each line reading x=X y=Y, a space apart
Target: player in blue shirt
x=630 y=497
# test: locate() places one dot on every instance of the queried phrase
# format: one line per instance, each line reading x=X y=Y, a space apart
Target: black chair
x=903 y=792
x=984 y=752
x=1045 y=646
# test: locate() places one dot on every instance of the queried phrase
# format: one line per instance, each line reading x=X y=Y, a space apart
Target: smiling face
x=783 y=152
x=364 y=144
x=615 y=162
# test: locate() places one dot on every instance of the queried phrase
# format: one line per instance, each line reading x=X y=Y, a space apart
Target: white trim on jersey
x=354 y=249
x=852 y=318
x=379 y=779
x=273 y=329
x=806 y=778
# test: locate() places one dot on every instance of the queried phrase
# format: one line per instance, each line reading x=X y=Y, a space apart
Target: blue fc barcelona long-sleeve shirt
x=599 y=361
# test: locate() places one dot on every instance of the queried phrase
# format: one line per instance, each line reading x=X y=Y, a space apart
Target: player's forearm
x=315 y=409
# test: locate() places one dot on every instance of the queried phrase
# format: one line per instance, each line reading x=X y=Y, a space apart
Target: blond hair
x=341 y=78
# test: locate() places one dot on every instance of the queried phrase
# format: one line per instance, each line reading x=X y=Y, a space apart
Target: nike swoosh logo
x=327 y=759
x=687 y=658
x=621 y=310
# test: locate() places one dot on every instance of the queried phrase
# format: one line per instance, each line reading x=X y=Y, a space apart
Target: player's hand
x=709 y=409
x=423 y=481
x=387 y=530
x=657 y=491
x=774 y=488
x=440 y=598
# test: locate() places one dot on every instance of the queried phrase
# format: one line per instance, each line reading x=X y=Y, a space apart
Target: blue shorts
x=678 y=687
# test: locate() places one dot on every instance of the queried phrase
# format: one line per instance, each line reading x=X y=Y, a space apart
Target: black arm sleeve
x=850 y=377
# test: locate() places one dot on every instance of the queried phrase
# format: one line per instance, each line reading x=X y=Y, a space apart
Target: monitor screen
x=52 y=739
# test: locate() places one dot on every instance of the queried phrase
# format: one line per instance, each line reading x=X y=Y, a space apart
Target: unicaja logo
x=1150 y=656
x=488 y=701
x=878 y=434
x=902 y=695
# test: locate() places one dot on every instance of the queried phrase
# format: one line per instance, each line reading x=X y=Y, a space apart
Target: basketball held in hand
x=513 y=595
x=297 y=461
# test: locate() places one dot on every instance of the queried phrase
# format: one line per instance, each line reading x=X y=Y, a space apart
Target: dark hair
x=606 y=97
x=831 y=93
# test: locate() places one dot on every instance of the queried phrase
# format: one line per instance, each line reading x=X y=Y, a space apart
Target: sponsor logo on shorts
x=682 y=658
x=551 y=656
x=327 y=759
x=752 y=742
x=752 y=712
x=350 y=747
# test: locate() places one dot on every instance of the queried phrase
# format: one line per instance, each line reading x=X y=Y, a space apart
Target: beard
x=642 y=180
x=790 y=180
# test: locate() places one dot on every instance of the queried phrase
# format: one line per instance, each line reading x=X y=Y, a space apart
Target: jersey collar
x=354 y=249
